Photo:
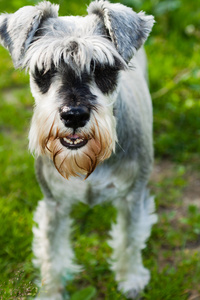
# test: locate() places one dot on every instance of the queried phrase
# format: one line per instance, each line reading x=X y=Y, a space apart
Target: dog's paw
x=133 y=294
x=134 y=284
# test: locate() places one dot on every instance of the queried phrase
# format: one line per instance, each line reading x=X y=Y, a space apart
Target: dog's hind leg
x=135 y=219
x=51 y=246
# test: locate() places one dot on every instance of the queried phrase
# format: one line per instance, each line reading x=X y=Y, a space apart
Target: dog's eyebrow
x=78 y=53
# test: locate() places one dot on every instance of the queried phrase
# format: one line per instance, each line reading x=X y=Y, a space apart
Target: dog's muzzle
x=74 y=117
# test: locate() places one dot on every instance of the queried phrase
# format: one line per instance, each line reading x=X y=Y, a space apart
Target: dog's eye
x=43 y=79
x=106 y=78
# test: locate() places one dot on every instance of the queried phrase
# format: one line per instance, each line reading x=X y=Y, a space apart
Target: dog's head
x=74 y=65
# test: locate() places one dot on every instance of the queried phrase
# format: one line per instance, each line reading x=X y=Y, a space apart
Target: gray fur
x=77 y=52
x=128 y=30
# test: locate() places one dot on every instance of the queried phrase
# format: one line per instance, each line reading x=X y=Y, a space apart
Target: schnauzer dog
x=91 y=131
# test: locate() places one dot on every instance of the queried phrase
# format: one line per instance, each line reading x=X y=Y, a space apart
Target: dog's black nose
x=75 y=117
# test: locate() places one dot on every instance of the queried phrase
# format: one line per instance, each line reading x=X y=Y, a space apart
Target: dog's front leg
x=52 y=249
x=135 y=219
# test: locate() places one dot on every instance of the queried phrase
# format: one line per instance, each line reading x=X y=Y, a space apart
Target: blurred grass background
x=172 y=253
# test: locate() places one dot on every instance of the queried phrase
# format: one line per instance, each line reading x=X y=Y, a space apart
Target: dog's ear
x=126 y=29
x=17 y=30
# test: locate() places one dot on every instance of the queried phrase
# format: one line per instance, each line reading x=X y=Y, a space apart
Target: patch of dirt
x=162 y=170
x=166 y=171
x=191 y=193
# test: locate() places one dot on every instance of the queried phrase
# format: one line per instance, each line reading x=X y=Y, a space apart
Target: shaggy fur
x=91 y=131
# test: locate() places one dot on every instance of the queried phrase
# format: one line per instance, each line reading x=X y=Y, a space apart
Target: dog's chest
x=99 y=187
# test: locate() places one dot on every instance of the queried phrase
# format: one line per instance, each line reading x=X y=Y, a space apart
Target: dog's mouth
x=73 y=141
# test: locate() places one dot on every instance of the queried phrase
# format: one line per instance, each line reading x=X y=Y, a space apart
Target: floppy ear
x=126 y=29
x=17 y=30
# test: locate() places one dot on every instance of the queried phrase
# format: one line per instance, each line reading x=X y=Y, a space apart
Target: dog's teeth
x=77 y=142
x=68 y=141
x=73 y=142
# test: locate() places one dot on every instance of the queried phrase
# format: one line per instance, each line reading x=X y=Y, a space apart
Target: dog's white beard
x=101 y=138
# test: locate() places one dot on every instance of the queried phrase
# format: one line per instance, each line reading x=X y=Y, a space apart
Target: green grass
x=172 y=253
